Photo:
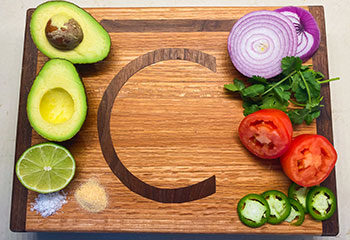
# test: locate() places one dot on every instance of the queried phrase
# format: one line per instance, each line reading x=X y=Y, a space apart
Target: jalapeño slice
x=297 y=215
x=299 y=193
x=321 y=203
x=279 y=206
x=253 y=210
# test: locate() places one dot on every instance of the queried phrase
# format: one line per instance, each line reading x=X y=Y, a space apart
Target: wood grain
x=330 y=227
x=172 y=125
x=24 y=131
x=196 y=191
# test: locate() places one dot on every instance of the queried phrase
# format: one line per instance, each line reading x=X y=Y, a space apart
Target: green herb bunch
x=298 y=84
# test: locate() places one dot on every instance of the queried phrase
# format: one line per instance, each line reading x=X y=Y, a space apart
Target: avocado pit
x=63 y=32
x=56 y=106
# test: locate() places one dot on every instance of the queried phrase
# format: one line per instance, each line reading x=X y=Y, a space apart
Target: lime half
x=45 y=168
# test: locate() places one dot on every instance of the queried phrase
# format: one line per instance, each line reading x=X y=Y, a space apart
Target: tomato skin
x=266 y=133
x=309 y=160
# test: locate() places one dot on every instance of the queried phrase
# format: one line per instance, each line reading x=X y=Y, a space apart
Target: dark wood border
x=330 y=227
x=166 y=25
x=24 y=130
x=23 y=140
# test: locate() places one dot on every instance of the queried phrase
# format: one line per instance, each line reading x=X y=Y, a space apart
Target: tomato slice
x=309 y=160
x=266 y=133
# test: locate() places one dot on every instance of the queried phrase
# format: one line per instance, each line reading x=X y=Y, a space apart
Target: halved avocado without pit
x=61 y=29
x=56 y=103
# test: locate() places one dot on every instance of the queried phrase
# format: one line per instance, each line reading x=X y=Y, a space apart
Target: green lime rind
x=45 y=168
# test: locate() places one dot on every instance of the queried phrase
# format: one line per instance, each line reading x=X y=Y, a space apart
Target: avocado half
x=95 y=44
x=56 y=103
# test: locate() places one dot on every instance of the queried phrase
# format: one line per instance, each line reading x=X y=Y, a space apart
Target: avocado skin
x=94 y=47
x=42 y=84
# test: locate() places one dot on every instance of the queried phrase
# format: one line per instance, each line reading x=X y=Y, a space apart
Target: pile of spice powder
x=48 y=204
x=91 y=196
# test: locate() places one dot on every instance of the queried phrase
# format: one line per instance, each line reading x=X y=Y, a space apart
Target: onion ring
x=308 y=33
x=259 y=40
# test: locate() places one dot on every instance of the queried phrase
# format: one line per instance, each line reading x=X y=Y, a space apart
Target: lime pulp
x=45 y=168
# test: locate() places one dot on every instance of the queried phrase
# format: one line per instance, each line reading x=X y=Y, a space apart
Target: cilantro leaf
x=253 y=90
x=302 y=84
x=290 y=64
x=314 y=86
x=282 y=92
x=231 y=87
x=311 y=116
x=285 y=86
x=249 y=107
x=238 y=85
x=273 y=102
x=297 y=116
x=301 y=95
x=297 y=84
x=315 y=102
x=257 y=79
x=305 y=67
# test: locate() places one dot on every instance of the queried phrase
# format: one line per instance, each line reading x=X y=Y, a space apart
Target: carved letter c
x=176 y=195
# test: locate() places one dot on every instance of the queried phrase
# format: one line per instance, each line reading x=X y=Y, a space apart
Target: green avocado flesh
x=96 y=42
x=56 y=104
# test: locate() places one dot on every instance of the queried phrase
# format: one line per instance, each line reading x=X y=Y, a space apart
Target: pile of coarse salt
x=48 y=204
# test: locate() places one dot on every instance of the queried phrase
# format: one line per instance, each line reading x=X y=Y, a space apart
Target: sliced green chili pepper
x=299 y=193
x=296 y=212
x=321 y=203
x=253 y=210
x=279 y=206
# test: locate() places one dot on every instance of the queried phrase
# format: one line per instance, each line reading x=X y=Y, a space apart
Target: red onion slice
x=259 y=40
x=306 y=28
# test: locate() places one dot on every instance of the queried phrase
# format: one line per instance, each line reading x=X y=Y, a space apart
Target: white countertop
x=12 y=19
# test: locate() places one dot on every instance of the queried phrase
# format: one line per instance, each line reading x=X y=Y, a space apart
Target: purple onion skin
x=307 y=24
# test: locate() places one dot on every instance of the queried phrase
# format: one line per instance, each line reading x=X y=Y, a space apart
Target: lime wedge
x=45 y=168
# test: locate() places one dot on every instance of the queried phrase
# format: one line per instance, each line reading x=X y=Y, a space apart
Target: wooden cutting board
x=161 y=131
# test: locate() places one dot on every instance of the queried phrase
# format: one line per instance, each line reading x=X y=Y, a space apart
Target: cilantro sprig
x=297 y=84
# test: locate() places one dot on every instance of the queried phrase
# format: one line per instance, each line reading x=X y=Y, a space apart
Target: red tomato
x=266 y=133
x=309 y=160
